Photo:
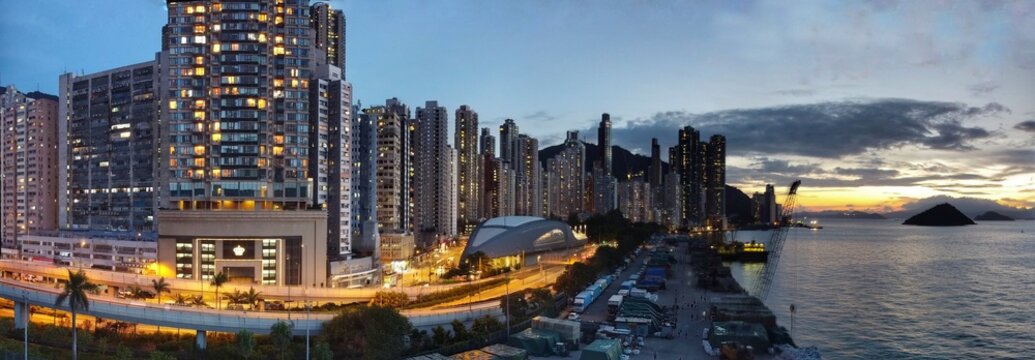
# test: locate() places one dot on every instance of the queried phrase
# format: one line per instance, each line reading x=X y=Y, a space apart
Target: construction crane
x=776 y=240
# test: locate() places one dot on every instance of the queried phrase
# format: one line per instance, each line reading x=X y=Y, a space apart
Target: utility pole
x=507 y=276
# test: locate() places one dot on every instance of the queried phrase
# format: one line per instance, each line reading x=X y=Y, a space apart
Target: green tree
x=393 y=299
x=245 y=343
x=123 y=353
x=158 y=355
x=281 y=335
x=365 y=332
x=218 y=281
x=459 y=331
x=485 y=325
x=439 y=335
x=322 y=351
x=74 y=293
x=251 y=297
x=160 y=287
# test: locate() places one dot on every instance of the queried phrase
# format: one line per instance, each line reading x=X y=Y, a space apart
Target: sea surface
x=875 y=289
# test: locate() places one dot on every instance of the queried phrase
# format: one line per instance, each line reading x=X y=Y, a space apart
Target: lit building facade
x=634 y=200
x=528 y=181
x=433 y=177
x=604 y=143
x=29 y=158
x=235 y=99
x=407 y=159
x=567 y=177
x=689 y=166
x=509 y=143
x=469 y=174
x=715 y=182
x=389 y=168
x=364 y=183
x=109 y=172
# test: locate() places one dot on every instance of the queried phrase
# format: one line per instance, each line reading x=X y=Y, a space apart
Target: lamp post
x=507 y=276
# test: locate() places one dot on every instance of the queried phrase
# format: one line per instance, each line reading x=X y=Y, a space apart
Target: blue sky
x=556 y=65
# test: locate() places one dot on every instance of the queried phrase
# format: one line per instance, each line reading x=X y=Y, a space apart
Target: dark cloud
x=824 y=130
x=777 y=166
x=540 y=116
x=983 y=88
x=1028 y=126
x=866 y=173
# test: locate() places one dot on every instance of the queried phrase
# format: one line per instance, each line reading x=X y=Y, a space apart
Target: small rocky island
x=940 y=215
x=992 y=216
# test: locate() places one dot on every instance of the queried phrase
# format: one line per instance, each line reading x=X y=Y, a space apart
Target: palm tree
x=75 y=294
x=218 y=281
x=182 y=299
x=160 y=286
x=251 y=297
x=198 y=300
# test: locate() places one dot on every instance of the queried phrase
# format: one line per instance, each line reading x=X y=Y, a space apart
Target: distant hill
x=969 y=206
x=739 y=209
x=992 y=216
x=842 y=214
x=940 y=215
x=623 y=162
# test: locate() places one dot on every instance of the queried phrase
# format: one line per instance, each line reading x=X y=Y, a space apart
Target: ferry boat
x=743 y=252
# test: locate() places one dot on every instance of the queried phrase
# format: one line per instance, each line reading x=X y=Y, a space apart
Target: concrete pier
x=21 y=314
x=199 y=340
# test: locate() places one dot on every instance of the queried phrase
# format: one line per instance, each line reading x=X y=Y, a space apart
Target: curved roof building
x=514 y=235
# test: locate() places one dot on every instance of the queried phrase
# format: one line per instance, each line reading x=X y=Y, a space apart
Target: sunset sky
x=874 y=103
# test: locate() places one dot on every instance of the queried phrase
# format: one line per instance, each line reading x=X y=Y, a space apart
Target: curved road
x=221 y=320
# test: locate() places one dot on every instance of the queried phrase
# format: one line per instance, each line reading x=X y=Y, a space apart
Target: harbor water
x=875 y=289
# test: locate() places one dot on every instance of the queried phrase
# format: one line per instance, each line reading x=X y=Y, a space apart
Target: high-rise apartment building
x=527 y=178
x=567 y=177
x=715 y=182
x=433 y=177
x=671 y=203
x=256 y=123
x=488 y=143
x=469 y=174
x=688 y=160
x=364 y=183
x=236 y=102
x=109 y=123
x=330 y=155
x=604 y=142
x=634 y=200
x=656 y=173
x=509 y=143
x=407 y=142
x=328 y=27
x=389 y=169
x=29 y=158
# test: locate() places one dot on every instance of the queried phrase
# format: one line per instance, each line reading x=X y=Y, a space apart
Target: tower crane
x=775 y=245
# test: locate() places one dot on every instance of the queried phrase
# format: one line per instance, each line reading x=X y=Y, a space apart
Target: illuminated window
x=199 y=9
x=172 y=104
x=199 y=29
x=278 y=50
x=294 y=83
x=214 y=91
x=200 y=39
x=125 y=134
x=278 y=150
x=199 y=104
x=198 y=60
x=278 y=82
x=278 y=139
x=199 y=71
x=262 y=37
x=215 y=48
x=278 y=39
x=278 y=20
x=217 y=137
x=262 y=103
x=199 y=115
x=262 y=17
x=199 y=149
